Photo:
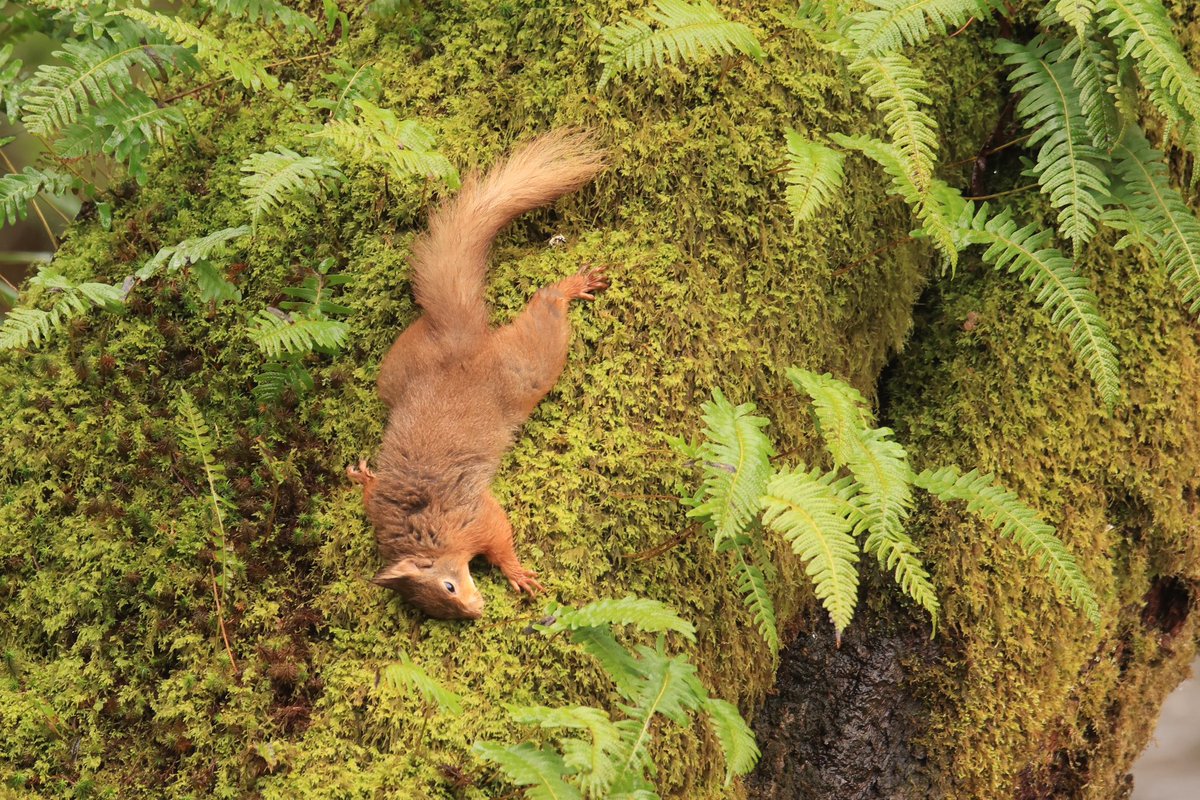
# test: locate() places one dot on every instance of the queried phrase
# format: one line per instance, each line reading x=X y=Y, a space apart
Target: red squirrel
x=458 y=389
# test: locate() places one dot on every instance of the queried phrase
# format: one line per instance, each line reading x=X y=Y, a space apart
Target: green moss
x=119 y=681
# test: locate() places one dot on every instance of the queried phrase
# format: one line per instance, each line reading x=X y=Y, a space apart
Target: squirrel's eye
x=449 y=586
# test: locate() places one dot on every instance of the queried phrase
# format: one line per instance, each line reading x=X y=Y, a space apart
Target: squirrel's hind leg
x=533 y=348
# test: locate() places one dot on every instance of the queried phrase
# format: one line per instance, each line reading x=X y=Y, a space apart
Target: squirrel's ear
x=392 y=575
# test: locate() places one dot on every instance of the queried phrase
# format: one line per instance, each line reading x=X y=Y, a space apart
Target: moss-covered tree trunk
x=118 y=680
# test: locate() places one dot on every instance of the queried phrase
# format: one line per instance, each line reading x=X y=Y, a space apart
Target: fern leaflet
x=1071 y=170
x=814 y=514
x=525 y=765
x=1076 y=13
x=197 y=438
x=273 y=177
x=351 y=84
x=1056 y=286
x=18 y=189
x=734 y=735
x=687 y=32
x=752 y=583
x=1001 y=509
x=646 y=614
x=814 y=174
x=891 y=24
x=899 y=89
x=735 y=460
x=220 y=53
x=1156 y=216
x=591 y=761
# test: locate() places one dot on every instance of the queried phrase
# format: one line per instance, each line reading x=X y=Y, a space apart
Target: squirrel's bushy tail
x=450 y=260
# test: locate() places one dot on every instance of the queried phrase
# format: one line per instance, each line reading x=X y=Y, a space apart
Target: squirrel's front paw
x=587 y=281
x=523 y=580
x=360 y=474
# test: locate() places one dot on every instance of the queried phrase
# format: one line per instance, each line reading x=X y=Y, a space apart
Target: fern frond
x=752 y=583
x=927 y=204
x=221 y=54
x=892 y=24
x=618 y=662
x=276 y=176
x=91 y=73
x=377 y=137
x=197 y=439
x=1002 y=510
x=669 y=688
x=18 y=189
x=735 y=459
x=10 y=91
x=128 y=130
x=590 y=762
x=898 y=554
x=277 y=377
x=191 y=251
x=1144 y=31
x=1095 y=72
x=541 y=771
x=814 y=174
x=686 y=32
x=214 y=286
x=1156 y=216
x=277 y=335
x=268 y=11
x=1072 y=171
x=27 y=327
x=1056 y=286
x=813 y=513
x=734 y=735
x=351 y=83
x=842 y=412
x=406 y=674
x=899 y=90
x=643 y=613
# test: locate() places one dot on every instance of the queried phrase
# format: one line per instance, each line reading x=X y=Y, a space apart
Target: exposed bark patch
x=1167 y=605
x=844 y=723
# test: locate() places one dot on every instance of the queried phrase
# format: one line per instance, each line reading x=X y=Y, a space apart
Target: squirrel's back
x=450 y=259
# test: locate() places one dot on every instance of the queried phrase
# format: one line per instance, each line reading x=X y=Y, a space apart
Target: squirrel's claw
x=589 y=280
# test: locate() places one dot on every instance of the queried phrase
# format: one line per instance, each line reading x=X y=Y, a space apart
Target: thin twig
x=13 y=169
x=840 y=271
x=221 y=618
x=995 y=149
x=210 y=84
x=966 y=25
x=1024 y=188
x=659 y=549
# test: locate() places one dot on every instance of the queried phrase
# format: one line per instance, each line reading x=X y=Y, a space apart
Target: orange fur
x=457 y=390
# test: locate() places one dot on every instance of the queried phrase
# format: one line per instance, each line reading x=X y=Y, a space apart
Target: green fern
x=1096 y=73
x=406 y=674
x=280 y=334
x=191 y=251
x=91 y=73
x=1072 y=171
x=378 y=138
x=814 y=174
x=10 y=72
x=128 y=130
x=1057 y=287
x=1156 y=216
x=735 y=459
x=614 y=759
x=275 y=177
x=880 y=466
x=351 y=83
x=197 y=439
x=221 y=54
x=899 y=89
x=18 y=189
x=1144 y=32
x=892 y=24
x=928 y=204
x=814 y=514
x=686 y=32
x=268 y=11
x=28 y=327
x=751 y=581
x=1002 y=510
x=278 y=377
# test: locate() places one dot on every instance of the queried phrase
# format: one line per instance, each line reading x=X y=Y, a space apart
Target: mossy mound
x=118 y=682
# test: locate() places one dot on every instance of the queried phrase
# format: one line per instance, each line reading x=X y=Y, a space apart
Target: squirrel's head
x=441 y=587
